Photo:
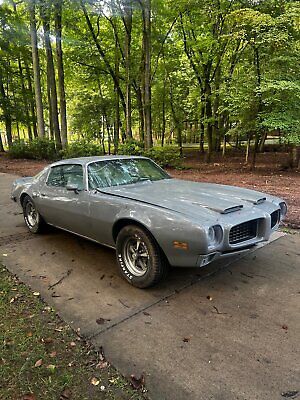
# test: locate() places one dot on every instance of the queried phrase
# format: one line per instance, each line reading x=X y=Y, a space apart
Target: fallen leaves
x=28 y=396
x=38 y=363
x=48 y=340
x=209 y=298
x=72 y=344
x=102 y=364
x=95 y=381
x=65 y=395
x=285 y=327
x=101 y=321
x=36 y=293
x=137 y=383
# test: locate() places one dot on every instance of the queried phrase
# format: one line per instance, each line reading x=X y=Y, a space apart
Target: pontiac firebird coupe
x=152 y=220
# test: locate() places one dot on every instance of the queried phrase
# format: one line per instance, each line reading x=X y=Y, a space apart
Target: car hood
x=188 y=197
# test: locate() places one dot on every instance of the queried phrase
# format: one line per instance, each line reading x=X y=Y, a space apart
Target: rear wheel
x=140 y=259
x=32 y=217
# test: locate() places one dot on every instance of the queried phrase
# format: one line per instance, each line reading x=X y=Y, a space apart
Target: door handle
x=43 y=195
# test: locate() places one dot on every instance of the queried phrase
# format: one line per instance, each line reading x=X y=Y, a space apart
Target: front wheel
x=32 y=217
x=140 y=260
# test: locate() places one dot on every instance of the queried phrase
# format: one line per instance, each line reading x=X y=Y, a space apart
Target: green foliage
x=81 y=148
x=131 y=147
x=37 y=149
x=238 y=59
x=167 y=156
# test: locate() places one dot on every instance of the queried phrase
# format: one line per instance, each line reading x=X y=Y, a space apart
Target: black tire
x=148 y=266
x=32 y=217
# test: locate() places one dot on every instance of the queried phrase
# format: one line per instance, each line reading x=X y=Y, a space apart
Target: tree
x=60 y=71
x=36 y=69
x=45 y=12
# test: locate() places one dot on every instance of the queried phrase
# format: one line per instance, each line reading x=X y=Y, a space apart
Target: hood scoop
x=259 y=201
x=256 y=202
x=232 y=209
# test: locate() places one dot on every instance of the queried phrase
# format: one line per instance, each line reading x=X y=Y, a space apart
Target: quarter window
x=62 y=175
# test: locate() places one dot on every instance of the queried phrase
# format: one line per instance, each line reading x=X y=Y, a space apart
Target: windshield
x=123 y=172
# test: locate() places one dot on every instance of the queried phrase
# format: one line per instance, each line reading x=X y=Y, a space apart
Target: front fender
x=168 y=227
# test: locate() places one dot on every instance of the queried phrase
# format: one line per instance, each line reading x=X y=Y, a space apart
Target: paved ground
x=241 y=343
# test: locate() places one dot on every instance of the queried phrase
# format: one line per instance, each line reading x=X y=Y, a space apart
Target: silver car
x=152 y=220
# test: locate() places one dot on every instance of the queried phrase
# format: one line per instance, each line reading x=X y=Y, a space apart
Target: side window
x=73 y=174
x=62 y=175
x=55 y=177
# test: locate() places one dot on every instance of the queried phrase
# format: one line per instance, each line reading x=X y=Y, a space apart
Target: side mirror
x=73 y=187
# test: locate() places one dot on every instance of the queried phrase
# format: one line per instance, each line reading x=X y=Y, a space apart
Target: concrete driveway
x=227 y=331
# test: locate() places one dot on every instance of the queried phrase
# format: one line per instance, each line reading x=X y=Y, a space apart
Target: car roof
x=87 y=160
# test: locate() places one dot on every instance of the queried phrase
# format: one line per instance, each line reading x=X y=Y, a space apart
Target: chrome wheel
x=136 y=256
x=31 y=215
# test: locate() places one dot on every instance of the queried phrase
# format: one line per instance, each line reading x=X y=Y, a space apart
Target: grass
x=42 y=358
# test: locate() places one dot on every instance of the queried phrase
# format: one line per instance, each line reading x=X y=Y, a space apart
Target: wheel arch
x=22 y=197
x=122 y=222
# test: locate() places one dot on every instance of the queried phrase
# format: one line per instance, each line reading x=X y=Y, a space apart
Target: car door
x=67 y=209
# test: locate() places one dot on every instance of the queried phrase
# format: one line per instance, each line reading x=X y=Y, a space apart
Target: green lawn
x=42 y=358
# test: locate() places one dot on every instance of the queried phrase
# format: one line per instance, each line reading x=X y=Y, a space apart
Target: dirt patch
x=270 y=175
x=22 y=166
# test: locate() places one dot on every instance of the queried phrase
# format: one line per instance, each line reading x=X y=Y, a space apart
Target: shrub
x=37 y=149
x=18 y=149
x=81 y=148
x=131 y=147
x=167 y=156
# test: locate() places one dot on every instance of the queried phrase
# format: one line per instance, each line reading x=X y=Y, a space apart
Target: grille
x=242 y=232
x=275 y=218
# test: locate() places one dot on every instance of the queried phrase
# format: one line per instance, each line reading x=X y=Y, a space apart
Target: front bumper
x=208 y=258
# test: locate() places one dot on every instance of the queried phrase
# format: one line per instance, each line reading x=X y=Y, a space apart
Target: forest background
x=87 y=77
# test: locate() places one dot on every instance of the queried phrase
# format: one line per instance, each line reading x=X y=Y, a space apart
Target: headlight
x=283 y=209
x=215 y=235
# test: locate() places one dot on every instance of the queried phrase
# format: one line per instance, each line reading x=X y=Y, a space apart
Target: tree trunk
x=248 y=149
x=202 y=116
x=127 y=20
x=25 y=100
x=224 y=145
x=163 y=128
x=61 y=75
x=36 y=70
x=255 y=149
x=262 y=142
x=51 y=130
x=296 y=157
x=31 y=97
x=51 y=74
x=216 y=125
x=1 y=144
x=139 y=99
x=147 y=79
x=260 y=104
x=5 y=105
x=209 y=126
x=117 y=99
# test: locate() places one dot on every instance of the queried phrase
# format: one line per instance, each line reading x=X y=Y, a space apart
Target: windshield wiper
x=141 y=179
